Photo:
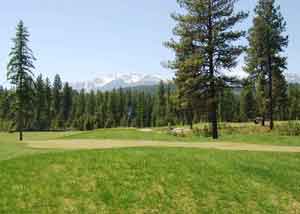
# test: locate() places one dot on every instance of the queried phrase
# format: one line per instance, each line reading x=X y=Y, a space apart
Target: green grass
x=160 y=135
x=151 y=181
x=147 y=180
x=10 y=147
x=132 y=134
x=262 y=138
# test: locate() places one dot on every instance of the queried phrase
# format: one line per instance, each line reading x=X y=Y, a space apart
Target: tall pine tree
x=19 y=73
x=57 y=100
x=264 y=60
x=207 y=28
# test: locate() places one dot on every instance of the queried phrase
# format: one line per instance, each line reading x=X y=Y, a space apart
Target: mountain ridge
x=108 y=83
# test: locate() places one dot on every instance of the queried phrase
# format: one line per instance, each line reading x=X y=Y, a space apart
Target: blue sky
x=85 y=39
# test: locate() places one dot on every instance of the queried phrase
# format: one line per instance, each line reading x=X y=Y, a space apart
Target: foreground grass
x=151 y=181
x=147 y=180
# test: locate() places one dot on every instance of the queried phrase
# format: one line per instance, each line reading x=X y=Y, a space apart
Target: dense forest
x=205 y=43
x=56 y=106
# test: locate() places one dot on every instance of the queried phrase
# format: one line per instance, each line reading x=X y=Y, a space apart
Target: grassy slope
x=151 y=181
x=147 y=180
x=9 y=147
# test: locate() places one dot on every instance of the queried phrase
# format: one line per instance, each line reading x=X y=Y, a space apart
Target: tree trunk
x=214 y=123
x=263 y=120
x=213 y=103
x=20 y=125
x=191 y=120
x=269 y=67
x=191 y=125
x=21 y=134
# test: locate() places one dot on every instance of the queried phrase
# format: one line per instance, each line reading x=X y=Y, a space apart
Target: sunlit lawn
x=147 y=180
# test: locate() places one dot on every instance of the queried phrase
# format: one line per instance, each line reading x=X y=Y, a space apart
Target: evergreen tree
x=91 y=104
x=57 y=100
x=207 y=31
x=66 y=103
x=280 y=94
x=294 y=101
x=48 y=102
x=228 y=106
x=20 y=74
x=140 y=118
x=40 y=104
x=247 y=103
x=161 y=105
x=81 y=109
x=5 y=105
x=261 y=94
x=266 y=43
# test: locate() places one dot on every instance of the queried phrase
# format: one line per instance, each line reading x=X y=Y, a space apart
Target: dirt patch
x=109 y=144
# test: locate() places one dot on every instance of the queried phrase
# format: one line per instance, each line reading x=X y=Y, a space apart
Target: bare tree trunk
x=214 y=123
x=213 y=103
x=191 y=121
x=263 y=120
x=21 y=134
x=269 y=67
x=20 y=124
x=191 y=125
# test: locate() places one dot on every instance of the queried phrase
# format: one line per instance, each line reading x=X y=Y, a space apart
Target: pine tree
x=140 y=118
x=91 y=104
x=161 y=105
x=261 y=96
x=57 y=100
x=20 y=74
x=66 y=103
x=294 y=101
x=280 y=94
x=206 y=31
x=228 y=106
x=48 y=101
x=247 y=103
x=266 y=43
x=81 y=106
x=40 y=104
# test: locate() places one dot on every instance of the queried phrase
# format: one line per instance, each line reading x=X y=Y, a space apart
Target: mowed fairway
x=144 y=180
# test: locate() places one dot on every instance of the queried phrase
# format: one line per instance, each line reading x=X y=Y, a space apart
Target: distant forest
x=56 y=106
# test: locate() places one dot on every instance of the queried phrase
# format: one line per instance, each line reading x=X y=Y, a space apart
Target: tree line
x=207 y=47
x=56 y=106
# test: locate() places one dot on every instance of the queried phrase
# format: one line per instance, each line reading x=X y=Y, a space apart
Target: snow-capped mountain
x=293 y=77
x=110 y=82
